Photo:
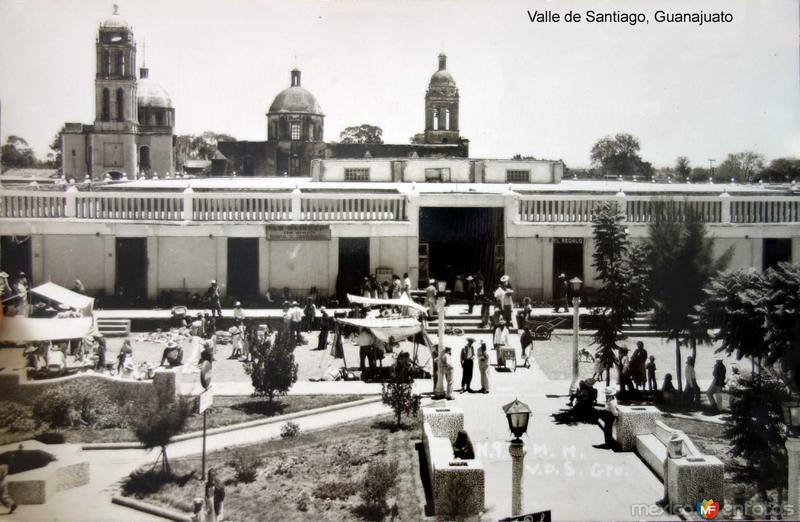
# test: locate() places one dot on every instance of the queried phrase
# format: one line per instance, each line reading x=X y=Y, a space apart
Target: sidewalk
x=92 y=502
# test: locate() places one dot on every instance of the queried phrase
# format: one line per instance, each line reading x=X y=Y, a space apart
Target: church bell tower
x=115 y=80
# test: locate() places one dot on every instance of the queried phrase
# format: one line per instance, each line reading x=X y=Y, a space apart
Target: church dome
x=295 y=99
x=151 y=94
x=442 y=78
x=115 y=21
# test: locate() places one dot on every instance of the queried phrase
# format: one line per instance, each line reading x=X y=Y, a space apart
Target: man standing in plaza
x=563 y=285
x=214 y=298
x=447 y=371
x=467 y=363
x=365 y=341
x=324 y=328
x=406 y=285
x=430 y=297
x=295 y=323
x=470 y=294
x=504 y=295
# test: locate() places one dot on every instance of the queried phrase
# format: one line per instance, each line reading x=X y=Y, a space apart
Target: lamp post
x=791 y=414
x=441 y=292
x=518 y=414
x=575 y=285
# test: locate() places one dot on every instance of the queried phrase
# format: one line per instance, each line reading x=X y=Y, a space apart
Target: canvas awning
x=402 y=301
x=27 y=329
x=61 y=295
x=383 y=328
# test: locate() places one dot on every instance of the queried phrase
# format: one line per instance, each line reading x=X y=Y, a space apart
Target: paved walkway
x=564 y=473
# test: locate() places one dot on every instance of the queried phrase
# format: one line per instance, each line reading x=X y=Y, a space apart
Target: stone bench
x=457 y=486
x=691 y=477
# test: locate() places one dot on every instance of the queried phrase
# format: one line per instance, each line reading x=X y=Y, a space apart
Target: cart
x=505 y=356
x=542 y=330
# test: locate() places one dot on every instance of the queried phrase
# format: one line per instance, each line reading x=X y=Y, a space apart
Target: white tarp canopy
x=27 y=329
x=404 y=300
x=383 y=328
x=61 y=295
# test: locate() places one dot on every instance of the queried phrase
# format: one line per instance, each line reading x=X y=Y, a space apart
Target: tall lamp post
x=518 y=414
x=791 y=414
x=575 y=285
x=441 y=293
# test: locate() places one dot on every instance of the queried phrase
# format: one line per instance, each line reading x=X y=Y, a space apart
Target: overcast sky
x=548 y=90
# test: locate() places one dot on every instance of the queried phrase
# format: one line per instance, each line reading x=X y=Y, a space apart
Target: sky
x=549 y=90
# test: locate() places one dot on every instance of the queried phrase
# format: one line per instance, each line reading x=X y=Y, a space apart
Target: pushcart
x=542 y=330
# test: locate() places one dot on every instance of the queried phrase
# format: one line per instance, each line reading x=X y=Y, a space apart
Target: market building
x=316 y=217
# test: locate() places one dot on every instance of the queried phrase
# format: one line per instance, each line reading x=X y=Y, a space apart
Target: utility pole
x=711 y=166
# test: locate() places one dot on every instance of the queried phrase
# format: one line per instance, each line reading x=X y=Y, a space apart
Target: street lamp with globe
x=575 y=285
x=518 y=415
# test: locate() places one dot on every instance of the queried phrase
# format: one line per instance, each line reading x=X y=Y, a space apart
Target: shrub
x=290 y=430
x=336 y=490
x=302 y=501
x=245 y=466
x=77 y=403
x=53 y=409
x=400 y=398
x=50 y=437
x=141 y=483
x=379 y=480
x=155 y=424
x=273 y=370
x=15 y=417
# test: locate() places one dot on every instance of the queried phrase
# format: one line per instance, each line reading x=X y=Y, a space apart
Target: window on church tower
x=435 y=119
x=120 y=64
x=295 y=131
x=120 y=105
x=105 y=63
x=105 y=111
x=447 y=119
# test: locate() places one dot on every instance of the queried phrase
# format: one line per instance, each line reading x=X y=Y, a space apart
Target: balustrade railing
x=346 y=207
x=253 y=207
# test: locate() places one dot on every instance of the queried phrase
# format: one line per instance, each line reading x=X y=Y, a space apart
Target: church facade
x=132 y=133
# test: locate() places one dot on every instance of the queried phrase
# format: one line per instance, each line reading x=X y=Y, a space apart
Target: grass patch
x=317 y=475
x=227 y=410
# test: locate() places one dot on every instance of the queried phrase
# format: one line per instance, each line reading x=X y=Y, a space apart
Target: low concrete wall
x=457 y=486
x=633 y=421
x=15 y=387
x=37 y=486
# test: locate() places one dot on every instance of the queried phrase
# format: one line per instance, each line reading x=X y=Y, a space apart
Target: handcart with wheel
x=542 y=330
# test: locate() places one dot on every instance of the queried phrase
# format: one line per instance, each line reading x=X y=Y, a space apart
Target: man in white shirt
x=365 y=341
x=447 y=371
x=407 y=285
x=295 y=322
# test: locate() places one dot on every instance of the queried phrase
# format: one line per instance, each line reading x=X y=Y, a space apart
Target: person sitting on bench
x=462 y=447
x=172 y=354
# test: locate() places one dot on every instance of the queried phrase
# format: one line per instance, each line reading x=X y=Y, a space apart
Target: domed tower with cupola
x=441 y=106
x=295 y=123
x=156 y=123
x=134 y=119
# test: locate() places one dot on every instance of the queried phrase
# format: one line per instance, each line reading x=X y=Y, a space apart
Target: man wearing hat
x=467 y=362
x=470 y=293
x=172 y=354
x=430 y=297
x=324 y=328
x=504 y=297
x=295 y=322
x=214 y=298
x=238 y=314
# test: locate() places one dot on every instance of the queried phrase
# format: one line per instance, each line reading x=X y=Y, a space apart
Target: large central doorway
x=131 y=280
x=353 y=264
x=15 y=257
x=243 y=270
x=461 y=242
x=567 y=260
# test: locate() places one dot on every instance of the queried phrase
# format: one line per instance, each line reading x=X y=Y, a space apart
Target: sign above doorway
x=298 y=232
x=568 y=240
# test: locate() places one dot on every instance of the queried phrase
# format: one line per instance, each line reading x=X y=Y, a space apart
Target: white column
x=296 y=204
x=725 y=199
x=152 y=266
x=188 y=200
x=263 y=266
x=70 y=203
x=576 y=303
x=517 y=452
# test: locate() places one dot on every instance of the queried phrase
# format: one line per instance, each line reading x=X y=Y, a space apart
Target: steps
x=642 y=326
x=114 y=327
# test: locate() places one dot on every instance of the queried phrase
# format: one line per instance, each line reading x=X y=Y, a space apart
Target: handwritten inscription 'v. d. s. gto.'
x=544 y=16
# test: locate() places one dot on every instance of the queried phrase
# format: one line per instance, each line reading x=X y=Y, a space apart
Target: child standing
x=651 y=373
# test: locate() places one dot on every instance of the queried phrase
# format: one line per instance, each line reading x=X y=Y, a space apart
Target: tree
x=700 y=175
x=681 y=263
x=758 y=435
x=56 y=146
x=200 y=146
x=154 y=423
x=619 y=156
x=521 y=157
x=16 y=153
x=363 y=133
x=610 y=260
x=273 y=370
x=682 y=169
x=742 y=166
x=781 y=170
x=417 y=139
x=400 y=397
x=757 y=315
